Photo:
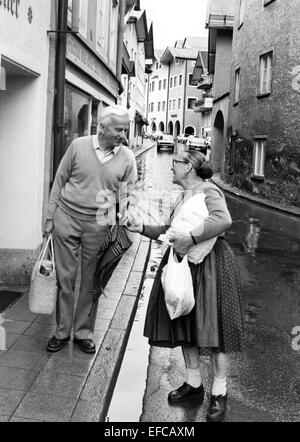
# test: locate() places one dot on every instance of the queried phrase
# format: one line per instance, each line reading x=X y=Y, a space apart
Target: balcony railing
x=220 y=21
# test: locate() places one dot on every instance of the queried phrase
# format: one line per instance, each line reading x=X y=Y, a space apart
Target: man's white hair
x=115 y=110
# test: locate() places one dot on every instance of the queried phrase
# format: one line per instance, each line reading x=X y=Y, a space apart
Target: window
x=152 y=107
x=265 y=73
x=179 y=103
x=193 y=63
x=259 y=155
x=149 y=107
x=176 y=61
x=165 y=84
x=190 y=80
x=175 y=81
x=159 y=85
x=237 y=86
x=191 y=103
x=170 y=105
x=158 y=106
x=163 y=106
x=241 y=12
x=156 y=66
x=171 y=82
x=153 y=85
x=174 y=104
x=180 y=79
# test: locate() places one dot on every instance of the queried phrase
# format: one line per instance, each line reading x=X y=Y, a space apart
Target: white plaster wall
x=22 y=125
x=157 y=95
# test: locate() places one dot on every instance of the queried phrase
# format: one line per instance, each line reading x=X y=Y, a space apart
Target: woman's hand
x=181 y=242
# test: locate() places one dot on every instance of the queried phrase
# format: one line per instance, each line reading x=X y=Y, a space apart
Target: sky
x=175 y=19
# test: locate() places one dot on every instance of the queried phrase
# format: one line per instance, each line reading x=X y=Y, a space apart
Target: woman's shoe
x=186 y=392
x=217 y=408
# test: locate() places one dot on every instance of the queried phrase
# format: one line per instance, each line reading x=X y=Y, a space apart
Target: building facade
x=220 y=20
x=91 y=64
x=138 y=44
x=173 y=95
x=157 y=94
x=61 y=62
x=264 y=155
x=25 y=132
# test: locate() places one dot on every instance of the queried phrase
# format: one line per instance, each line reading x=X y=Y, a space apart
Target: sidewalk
x=287 y=209
x=70 y=386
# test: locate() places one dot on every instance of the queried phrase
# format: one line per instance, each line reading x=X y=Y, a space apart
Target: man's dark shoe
x=86 y=345
x=186 y=392
x=217 y=408
x=56 y=344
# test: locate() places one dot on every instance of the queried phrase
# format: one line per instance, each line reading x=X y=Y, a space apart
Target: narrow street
x=264 y=382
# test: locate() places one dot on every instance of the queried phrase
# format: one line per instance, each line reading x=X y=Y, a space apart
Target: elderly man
x=95 y=172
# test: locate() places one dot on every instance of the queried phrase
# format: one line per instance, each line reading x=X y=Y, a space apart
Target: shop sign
x=11 y=6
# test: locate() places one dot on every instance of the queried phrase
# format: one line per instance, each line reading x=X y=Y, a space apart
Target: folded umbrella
x=109 y=255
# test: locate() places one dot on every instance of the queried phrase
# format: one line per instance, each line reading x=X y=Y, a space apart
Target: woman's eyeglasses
x=174 y=162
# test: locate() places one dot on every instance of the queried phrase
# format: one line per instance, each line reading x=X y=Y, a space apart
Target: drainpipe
x=121 y=29
x=184 y=97
x=59 y=105
x=148 y=87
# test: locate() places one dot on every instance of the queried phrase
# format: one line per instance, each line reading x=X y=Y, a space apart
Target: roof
x=141 y=25
x=201 y=43
x=200 y=66
x=171 y=53
x=149 y=44
x=158 y=53
x=178 y=44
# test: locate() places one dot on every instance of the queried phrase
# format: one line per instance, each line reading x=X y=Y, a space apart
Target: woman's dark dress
x=216 y=321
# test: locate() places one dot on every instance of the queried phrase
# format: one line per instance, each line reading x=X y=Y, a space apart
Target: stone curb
x=126 y=283
x=143 y=149
x=288 y=210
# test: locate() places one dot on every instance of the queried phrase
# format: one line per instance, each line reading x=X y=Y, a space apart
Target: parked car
x=148 y=135
x=156 y=135
x=181 y=138
x=198 y=143
x=165 y=141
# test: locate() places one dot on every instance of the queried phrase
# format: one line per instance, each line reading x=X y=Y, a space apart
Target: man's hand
x=181 y=242
x=49 y=225
x=132 y=220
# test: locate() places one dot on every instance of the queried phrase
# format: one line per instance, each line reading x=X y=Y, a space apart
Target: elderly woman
x=214 y=326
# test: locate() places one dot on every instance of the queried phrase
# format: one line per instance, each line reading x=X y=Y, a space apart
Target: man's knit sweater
x=82 y=183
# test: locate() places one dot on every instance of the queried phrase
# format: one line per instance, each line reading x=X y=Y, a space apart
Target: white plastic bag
x=43 y=287
x=177 y=283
